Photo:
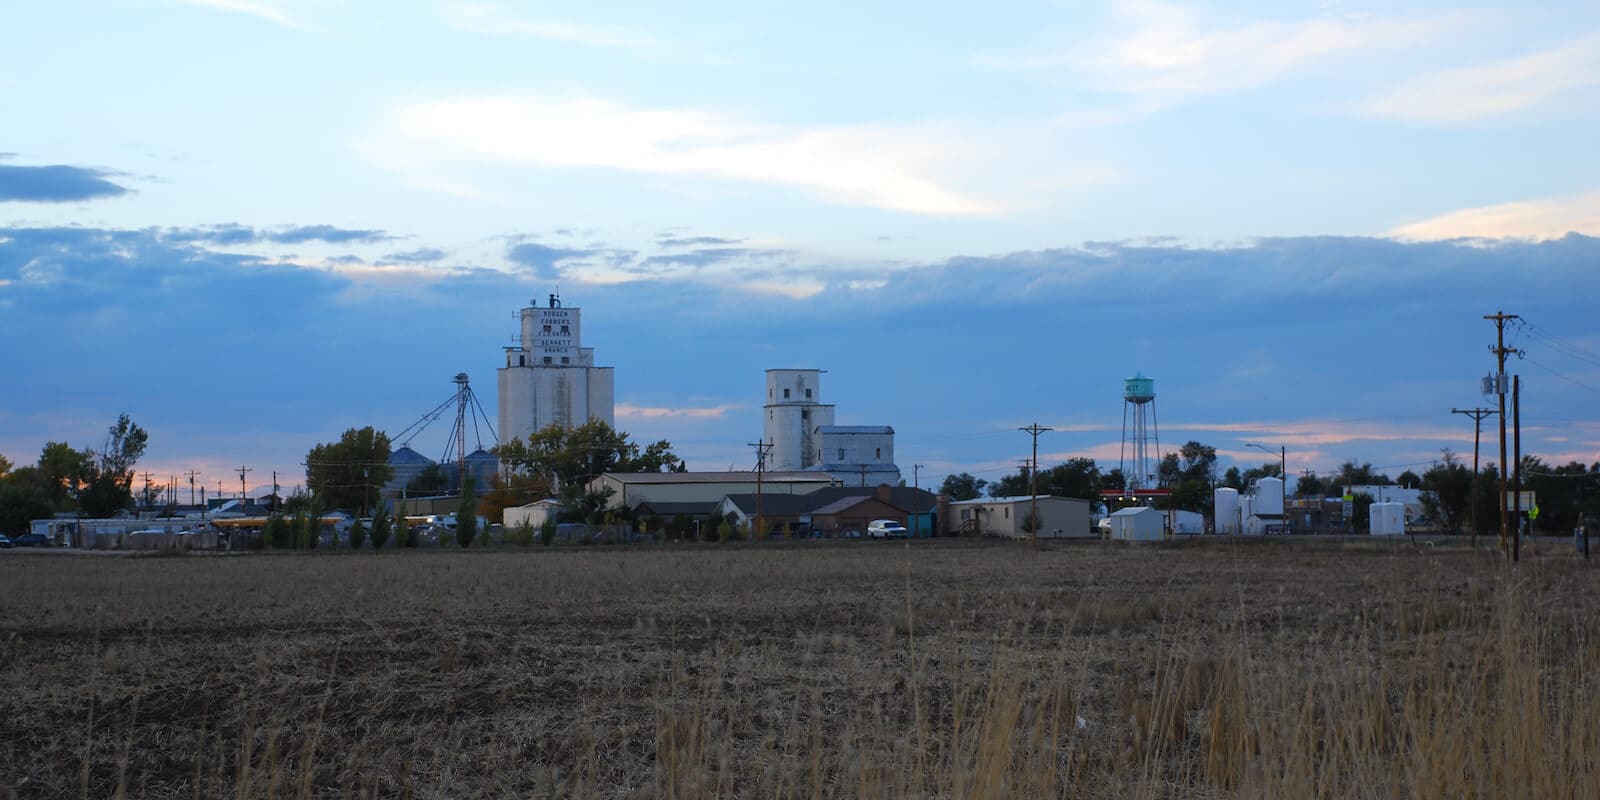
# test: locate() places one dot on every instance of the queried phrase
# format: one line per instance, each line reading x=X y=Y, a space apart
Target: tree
x=1310 y=486
x=1447 y=491
x=1190 y=474
x=1361 y=512
x=404 y=536
x=22 y=500
x=1078 y=477
x=570 y=456
x=962 y=487
x=1409 y=480
x=512 y=492
x=109 y=482
x=349 y=473
x=381 y=526
x=431 y=480
x=467 y=516
x=1233 y=479
x=61 y=471
x=358 y=534
x=5 y=466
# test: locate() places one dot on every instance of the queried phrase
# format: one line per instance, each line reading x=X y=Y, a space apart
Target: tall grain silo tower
x=1139 y=400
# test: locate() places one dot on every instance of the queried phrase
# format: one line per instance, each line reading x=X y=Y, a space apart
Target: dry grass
x=941 y=669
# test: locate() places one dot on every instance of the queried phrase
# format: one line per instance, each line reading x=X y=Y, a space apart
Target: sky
x=253 y=224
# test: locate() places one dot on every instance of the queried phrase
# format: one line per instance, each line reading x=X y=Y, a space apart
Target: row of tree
x=87 y=482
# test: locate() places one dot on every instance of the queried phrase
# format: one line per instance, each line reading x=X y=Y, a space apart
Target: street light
x=1283 y=477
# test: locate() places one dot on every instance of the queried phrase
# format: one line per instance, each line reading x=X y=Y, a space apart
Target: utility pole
x=191 y=475
x=1033 y=477
x=916 y=494
x=149 y=499
x=1477 y=415
x=1500 y=350
x=1516 y=475
x=274 y=491
x=762 y=448
x=244 y=502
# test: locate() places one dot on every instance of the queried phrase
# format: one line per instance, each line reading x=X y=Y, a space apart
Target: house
x=533 y=514
x=1139 y=524
x=1059 y=517
x=630 y=489
x=911 y=507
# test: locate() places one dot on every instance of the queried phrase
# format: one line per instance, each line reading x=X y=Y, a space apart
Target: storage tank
x=1226 y=502
x=1387 y=519
x=1269 y=497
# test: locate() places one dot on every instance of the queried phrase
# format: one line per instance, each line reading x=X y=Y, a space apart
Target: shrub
x=521 y=534
x=358 y=534
x=547 y=532
x=380 y=528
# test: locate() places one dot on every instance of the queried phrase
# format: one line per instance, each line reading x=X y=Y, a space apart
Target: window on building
x=547 y=329
x=805 y=413
x=877 y=452
x=549 y=360
x=566 y=329
x=841 y=454
x=808 y=394
x=786 y=394
x=522 y=361
x=1008 y=512
x=566 y=360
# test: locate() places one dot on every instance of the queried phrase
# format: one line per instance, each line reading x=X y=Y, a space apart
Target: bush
x=521 y=534
x=358 y=534
x=467 y=516
x=380 y=528
x=724 y=531
x=547 y=532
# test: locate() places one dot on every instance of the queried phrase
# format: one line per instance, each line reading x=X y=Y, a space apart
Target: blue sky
x=252 y=224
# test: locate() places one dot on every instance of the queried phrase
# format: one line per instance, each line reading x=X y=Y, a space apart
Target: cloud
x=419 y=256
x=711 y=255
x=492 y=18
x=1511 y=86
x=1168 y=53
x=55 y=183
x=235 y=234
x=695 y=241
x=630 y=411
x=879 y=166
x=1536 y=220
x=543 y=260
x=272 y=12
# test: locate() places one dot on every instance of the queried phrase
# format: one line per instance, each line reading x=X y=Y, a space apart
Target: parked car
x=32 y=540
x=5 y=542
x=886 y=529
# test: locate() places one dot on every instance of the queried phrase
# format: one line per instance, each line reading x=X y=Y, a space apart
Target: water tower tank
x=1139 y=389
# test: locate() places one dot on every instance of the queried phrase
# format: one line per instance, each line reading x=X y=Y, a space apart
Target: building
x=835 y=510
x=533 y=514
x=800 y=429
x=1059 y=517
x=794 y=411
x=857 y=455
x=630 y=489
x=550 y=378
x=1138 y=524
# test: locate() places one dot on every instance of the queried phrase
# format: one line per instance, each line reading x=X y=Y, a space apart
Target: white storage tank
x=1269 y=497
x=1226 y=503
x=1387 y=519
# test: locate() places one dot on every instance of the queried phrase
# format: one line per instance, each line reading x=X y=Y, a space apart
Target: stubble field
x=934 y=669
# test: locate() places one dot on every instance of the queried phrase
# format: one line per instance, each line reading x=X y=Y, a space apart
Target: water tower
x=1139 y=401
